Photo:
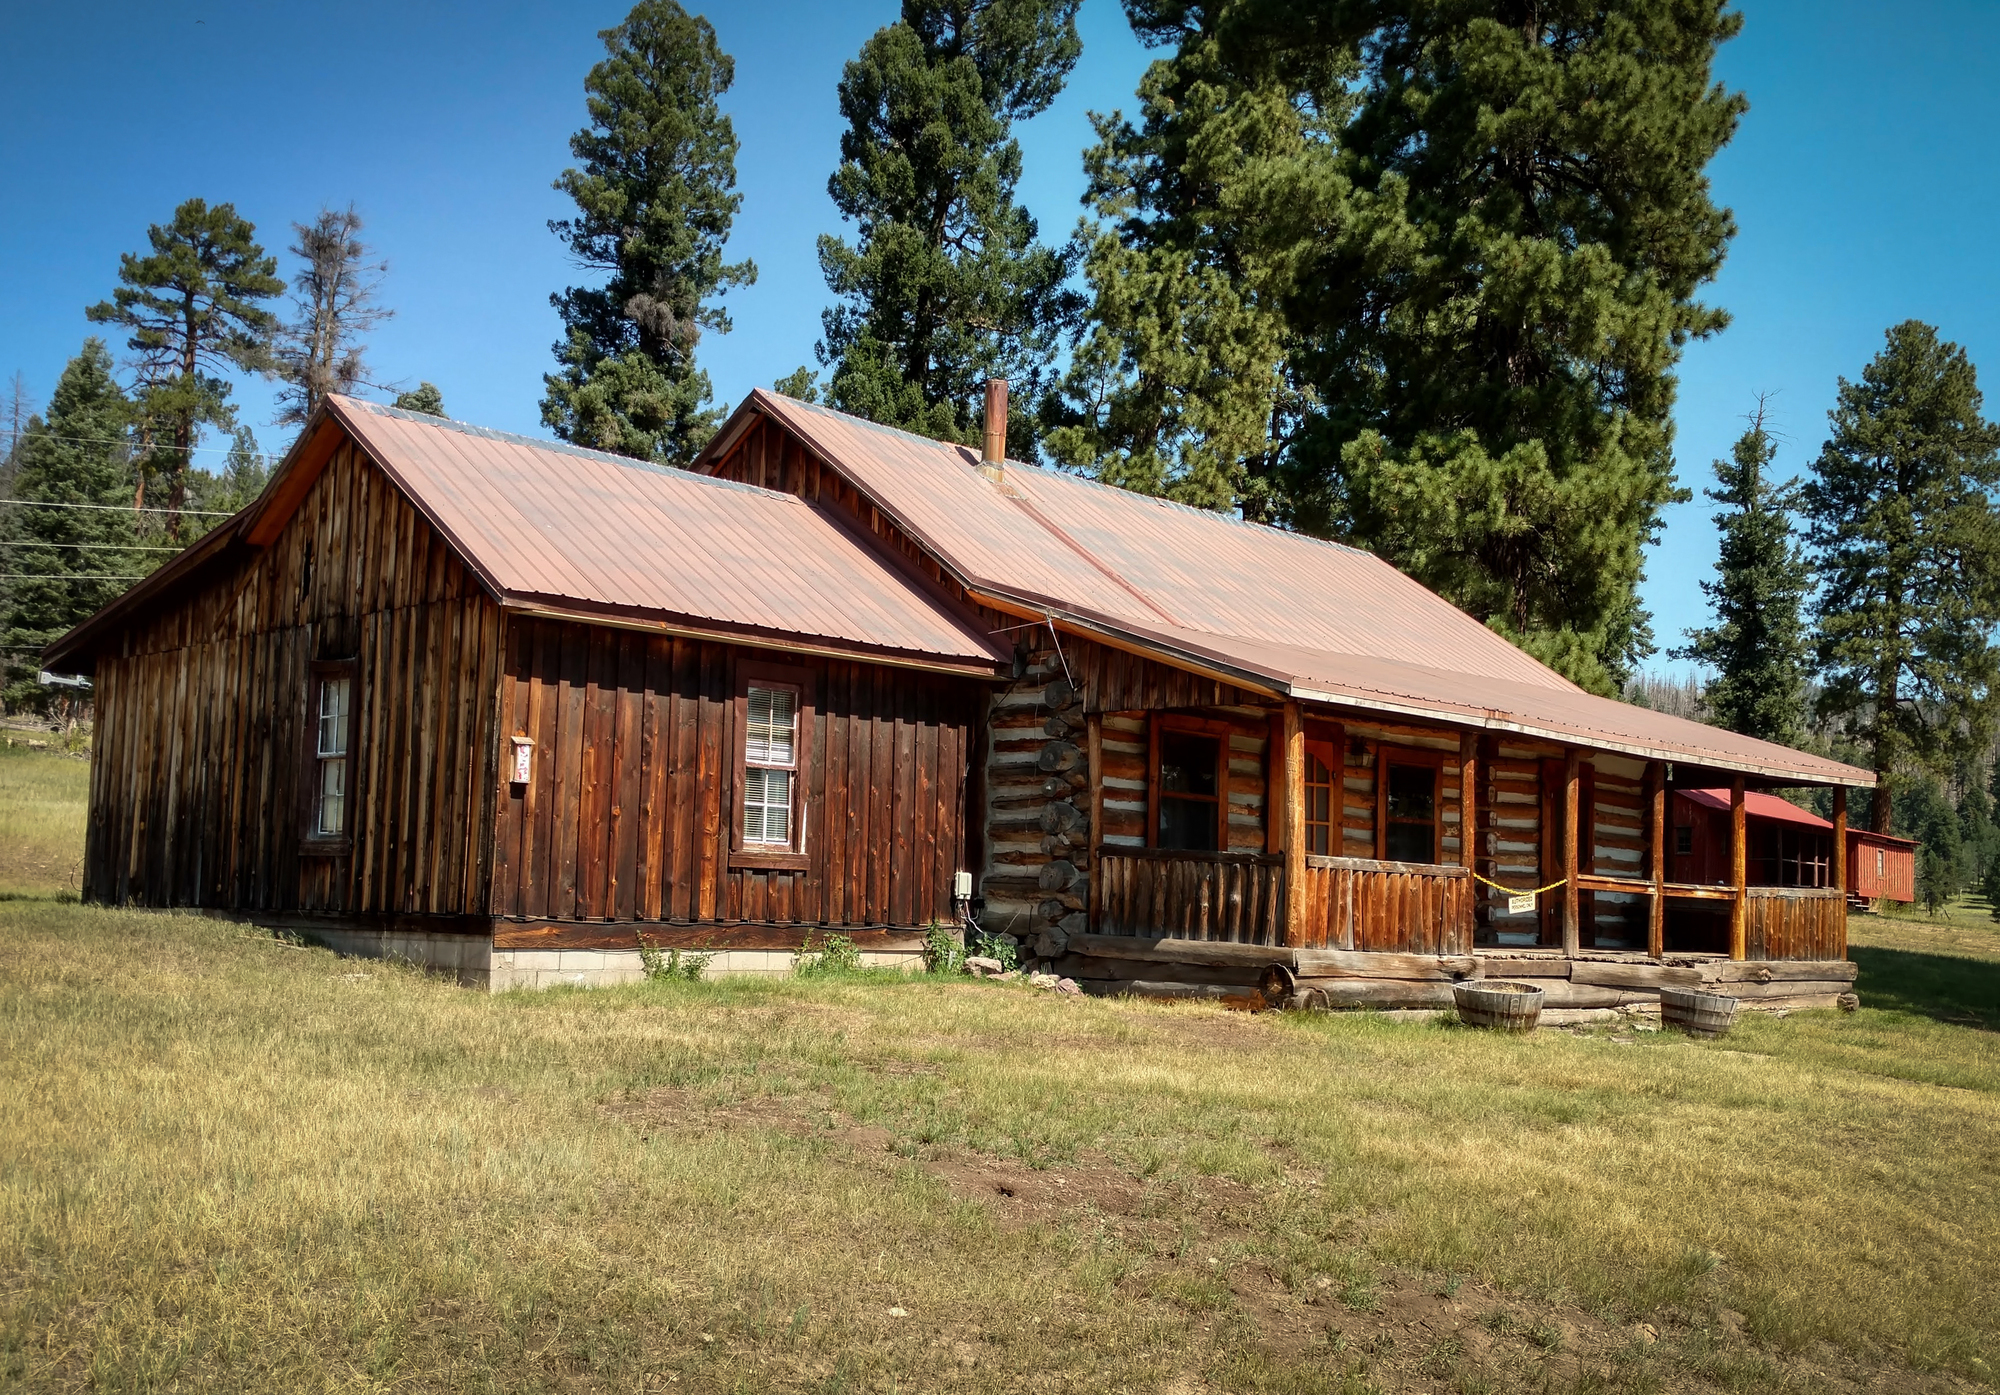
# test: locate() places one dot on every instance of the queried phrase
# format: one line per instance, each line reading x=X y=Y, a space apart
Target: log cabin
x=505 y=706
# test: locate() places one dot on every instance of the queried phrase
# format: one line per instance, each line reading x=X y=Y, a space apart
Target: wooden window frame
x=798 y=857
x=1333 y=755
x=1415 y=757
x=313 y=843
x=1161 y=722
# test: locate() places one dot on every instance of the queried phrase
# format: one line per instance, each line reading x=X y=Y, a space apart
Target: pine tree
x=424 y=397
x=801 y=383
x=655 y=201
x=70 y=561
x=245 y=471
x=1500 y=282
x=1204 y=210
x=193 y=309
x=1757 y=645
x=334 y=302
x=946 y=284
x=1908 y=554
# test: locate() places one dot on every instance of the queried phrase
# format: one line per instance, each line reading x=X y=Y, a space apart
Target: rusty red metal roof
x=556 y=528
x=546 y=521
x=1271 y=609
x=1758 y=805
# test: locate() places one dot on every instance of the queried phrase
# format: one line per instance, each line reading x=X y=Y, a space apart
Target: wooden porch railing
x=1350 y=902
x=1398 y=907
x=1787 y=922
x=1238 y=897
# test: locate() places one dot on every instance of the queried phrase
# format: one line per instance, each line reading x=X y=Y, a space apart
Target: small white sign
x=1521 y=905
x=524 y=759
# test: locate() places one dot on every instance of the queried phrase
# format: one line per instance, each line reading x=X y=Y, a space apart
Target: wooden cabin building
x=1882 y=867
x=842 y=678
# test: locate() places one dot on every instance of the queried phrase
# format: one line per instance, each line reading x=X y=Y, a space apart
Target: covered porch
x=1519 y=860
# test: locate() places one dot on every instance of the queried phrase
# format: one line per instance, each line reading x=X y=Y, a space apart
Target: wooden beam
x=1739 y=871
x=1656 y=842
x=1840 y=868
x=1572 y=920
x=1295 y=824
x=1468 y=824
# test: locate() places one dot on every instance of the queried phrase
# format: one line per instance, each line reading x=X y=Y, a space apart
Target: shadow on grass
x=1965 y=992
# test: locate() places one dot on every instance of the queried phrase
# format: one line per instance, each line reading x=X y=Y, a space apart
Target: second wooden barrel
x=1696 y=1013
x=1509 y=1007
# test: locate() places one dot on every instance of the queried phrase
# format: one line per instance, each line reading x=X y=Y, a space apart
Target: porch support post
x=1739 y=872
x=1572 y=797
x=1468 y=826
x=1295 y=824
x=1656 y=845
x=1840 y=872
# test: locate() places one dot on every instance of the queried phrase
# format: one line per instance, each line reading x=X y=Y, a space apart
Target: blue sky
x=1865 y=182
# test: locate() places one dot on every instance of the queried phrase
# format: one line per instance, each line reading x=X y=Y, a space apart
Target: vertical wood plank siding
x=631 y=809
x=1795 y=923
x=203 y=728
x=1352 y=903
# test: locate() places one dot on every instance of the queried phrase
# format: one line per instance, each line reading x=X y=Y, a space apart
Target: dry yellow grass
x=42 y=806
x=226 y=1163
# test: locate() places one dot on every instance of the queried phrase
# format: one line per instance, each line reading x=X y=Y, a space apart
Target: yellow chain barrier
x=1510 y=890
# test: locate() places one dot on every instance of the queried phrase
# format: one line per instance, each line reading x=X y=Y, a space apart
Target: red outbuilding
x=1883 y=867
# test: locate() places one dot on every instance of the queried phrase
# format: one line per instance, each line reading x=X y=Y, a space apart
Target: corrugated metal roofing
x=1758 y=805
x=1314 y=619
x=555 y=523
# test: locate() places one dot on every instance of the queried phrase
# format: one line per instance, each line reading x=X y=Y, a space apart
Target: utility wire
x=89 y=547
x=156 y=448
x=74 y=576
x=116 y=508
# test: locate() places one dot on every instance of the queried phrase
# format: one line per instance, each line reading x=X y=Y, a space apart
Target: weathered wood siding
x=196 y=795
x=1385 y=907
x=1795 y=923
x=633 y=802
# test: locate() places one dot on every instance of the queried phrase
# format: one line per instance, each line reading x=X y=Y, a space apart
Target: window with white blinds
x=770 y=763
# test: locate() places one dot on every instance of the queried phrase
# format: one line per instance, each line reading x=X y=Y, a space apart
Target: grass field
x=227 y=1163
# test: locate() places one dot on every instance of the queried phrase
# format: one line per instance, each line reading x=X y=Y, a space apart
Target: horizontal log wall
x=1510 y=851
x=202 y=734
x=632 y=806
x=1618 y=848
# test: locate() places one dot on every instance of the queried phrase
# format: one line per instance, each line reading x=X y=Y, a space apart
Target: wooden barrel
x=1510 y=1007
x=1696 y=1013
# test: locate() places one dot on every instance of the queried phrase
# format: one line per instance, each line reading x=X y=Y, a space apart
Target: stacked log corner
x=1038 y=815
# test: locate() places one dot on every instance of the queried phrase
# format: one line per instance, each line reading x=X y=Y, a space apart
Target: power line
x=74 y=576
x=115 y=508
x=90 y=547
x=24 y=433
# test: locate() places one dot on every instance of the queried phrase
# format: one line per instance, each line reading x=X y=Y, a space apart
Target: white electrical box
x=961 y=886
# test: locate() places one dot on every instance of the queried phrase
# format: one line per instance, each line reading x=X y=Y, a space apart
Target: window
x=1189 y=784
x=1878 y=862
x=1684 y=840
x=330 y=724
x=1322 y=799
x=1409 y=812
x=769 y=824
x=770 y=763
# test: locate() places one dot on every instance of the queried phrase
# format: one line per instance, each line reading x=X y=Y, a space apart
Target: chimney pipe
x=993 y=451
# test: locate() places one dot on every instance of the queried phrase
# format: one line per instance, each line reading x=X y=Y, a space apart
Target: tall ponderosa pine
x=946 y=285
x=69 y=559
x=1900 y=512
x=1757 y=645
x=655 y=201
x=193 y=307
x=1500 y=281
x=1206 y=208
x=334 y=302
